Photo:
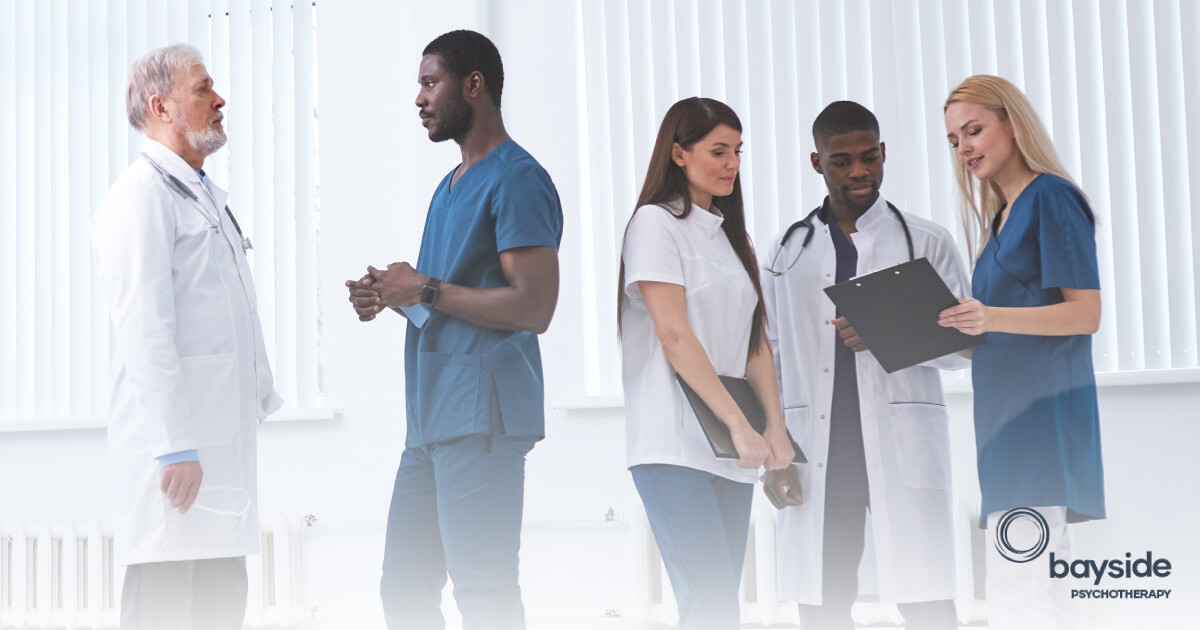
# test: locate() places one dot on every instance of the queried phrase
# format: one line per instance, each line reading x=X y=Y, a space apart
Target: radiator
x=63 y=574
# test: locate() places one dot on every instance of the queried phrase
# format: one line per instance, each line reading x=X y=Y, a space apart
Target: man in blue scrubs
x=485 y=285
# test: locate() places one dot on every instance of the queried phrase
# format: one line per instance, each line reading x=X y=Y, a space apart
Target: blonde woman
x=1036 y=294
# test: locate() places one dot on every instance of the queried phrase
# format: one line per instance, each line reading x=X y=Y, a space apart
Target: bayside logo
x=1029 y=548
x=1025 y=553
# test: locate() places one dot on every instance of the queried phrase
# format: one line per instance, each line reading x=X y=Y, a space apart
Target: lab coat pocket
x=922 y=435
x=799 y=424
x=213 y=397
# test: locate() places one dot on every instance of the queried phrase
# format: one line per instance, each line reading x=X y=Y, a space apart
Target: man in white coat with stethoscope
x=190 y=374
x=877 y=443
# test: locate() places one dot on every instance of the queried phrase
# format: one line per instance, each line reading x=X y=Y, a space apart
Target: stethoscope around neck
x=179 y=187
x=808 y=223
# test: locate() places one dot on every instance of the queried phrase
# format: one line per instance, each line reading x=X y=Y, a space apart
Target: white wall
x=378 y=171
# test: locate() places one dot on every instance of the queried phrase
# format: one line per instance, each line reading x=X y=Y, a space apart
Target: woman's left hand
x=779 y=448
x=970 y=316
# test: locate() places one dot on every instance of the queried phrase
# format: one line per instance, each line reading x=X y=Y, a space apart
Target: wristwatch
x=429 y=294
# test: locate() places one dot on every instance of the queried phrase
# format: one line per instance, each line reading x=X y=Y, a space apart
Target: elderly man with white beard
x=190 y=378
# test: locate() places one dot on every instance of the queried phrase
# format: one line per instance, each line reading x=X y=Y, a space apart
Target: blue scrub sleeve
x=526 y=210
x=1066 y=239
x=178 y=458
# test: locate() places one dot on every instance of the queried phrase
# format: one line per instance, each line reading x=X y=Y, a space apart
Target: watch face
x=429 y=295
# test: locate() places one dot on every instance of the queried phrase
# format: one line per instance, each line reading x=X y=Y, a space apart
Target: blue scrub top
x=1037 y=428
x=847 y=473
x=462 y=379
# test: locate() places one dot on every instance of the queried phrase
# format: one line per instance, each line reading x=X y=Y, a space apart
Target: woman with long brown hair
x=690 y=304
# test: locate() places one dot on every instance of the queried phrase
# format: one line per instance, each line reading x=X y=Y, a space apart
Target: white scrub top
x=693 y=252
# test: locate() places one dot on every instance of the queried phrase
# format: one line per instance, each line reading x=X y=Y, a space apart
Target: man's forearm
x=504 y=308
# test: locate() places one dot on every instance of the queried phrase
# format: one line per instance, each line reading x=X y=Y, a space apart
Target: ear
x=473 y=85
x=882 y=152
x=678 y=155
x=156 y=106
x=815 y=158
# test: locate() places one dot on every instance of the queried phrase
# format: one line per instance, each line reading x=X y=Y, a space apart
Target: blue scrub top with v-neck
x=462 y=379
x=1037 y=427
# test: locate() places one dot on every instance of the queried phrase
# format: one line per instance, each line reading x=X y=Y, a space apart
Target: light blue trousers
x=700 y=522
x=456 y=509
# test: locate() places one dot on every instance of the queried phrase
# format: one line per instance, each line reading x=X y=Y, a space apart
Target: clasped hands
x=397 y=286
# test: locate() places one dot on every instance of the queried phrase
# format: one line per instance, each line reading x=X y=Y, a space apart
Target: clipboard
x=717 y=433
x=895 y=312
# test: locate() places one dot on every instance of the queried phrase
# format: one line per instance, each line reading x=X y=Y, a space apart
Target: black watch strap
x=429 y=294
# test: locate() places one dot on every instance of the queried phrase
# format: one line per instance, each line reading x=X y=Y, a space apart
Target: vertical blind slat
x=1177 y=198
x=831 y=40
x=1094 y=172
x=813 y=63
x=217 y=37
x=762 y=222
x=1115 y=56
x=307 y=293
x=904 y=31
x=40 y=247
x=940 y=177
x=8 y=208
x=57 y=353
x=284 y=211
x=1189 y=19
x=108 y=104
x=1147 y=155
x=595 y=201
x=263 y=131
x=786 y=123
x=77 y=349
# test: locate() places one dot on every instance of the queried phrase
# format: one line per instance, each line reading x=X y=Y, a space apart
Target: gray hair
x=154 y=73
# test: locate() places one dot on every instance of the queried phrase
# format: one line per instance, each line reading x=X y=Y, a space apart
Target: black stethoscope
x=174 y=184
x=807 y=222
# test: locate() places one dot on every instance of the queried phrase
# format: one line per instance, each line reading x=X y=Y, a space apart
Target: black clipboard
x=717 y=433
x=895 y=312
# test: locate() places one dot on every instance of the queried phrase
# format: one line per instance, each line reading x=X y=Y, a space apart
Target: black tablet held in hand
x=717 y=433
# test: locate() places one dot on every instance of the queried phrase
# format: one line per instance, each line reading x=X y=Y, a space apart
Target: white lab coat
x=189 y=366
x=904 y=422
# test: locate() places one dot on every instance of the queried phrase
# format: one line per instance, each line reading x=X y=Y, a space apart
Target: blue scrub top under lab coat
x=847 y=473
x=1037 y=429
x=463 y=379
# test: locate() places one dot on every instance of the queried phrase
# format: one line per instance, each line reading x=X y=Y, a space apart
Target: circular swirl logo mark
x=1023 y=553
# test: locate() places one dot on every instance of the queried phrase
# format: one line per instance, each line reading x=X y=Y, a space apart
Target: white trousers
x=1022 y=595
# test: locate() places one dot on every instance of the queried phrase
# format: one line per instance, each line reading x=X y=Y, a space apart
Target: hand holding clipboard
x=895 y=312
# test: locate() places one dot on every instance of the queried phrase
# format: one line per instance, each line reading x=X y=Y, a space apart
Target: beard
x=453 y=122
x=206 y=142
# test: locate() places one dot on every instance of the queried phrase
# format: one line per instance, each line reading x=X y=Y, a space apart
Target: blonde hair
x=1002 y=98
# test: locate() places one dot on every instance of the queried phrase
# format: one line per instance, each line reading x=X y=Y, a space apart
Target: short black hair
x=463 y=52
x=842 y=117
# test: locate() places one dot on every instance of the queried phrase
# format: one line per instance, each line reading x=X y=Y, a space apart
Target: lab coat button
x=826 y=369
x=826 y=275
x=822 y=416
